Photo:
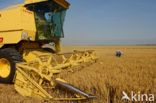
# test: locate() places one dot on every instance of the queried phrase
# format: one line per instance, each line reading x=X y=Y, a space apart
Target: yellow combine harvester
x=28 y=33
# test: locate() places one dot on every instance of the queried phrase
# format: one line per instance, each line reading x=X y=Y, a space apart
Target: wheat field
x=108 y=77
x=134 y=71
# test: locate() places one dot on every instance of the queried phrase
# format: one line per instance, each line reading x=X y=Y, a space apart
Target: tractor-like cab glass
x=49 y=17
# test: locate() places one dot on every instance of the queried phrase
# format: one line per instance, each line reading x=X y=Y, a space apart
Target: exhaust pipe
x=74 y=89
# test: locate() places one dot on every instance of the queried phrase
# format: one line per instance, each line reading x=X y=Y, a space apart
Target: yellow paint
x=63 y=3
x=28 y=22
x=58 y=46
x=36 y=74
x=1 y=45
x=33 y=1
x=5 y=68
x=41 y=66
x=11 y=37
x=26 y=86
x=15 y=21
x=10 y=19
x=29 y=55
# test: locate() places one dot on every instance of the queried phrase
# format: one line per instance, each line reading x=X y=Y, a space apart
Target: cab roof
x=63 y=3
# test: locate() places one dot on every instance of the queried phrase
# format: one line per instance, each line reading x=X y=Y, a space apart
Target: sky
x=107 y=22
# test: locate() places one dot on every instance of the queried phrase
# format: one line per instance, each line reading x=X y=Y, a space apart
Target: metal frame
x=32 y=77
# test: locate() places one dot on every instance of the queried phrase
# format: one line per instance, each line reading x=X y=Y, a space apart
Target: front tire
x=8 y=59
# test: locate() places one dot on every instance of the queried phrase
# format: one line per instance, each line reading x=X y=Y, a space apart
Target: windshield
x=49 y=18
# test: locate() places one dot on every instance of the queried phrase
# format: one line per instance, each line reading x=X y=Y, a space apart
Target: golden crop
x=134 y=71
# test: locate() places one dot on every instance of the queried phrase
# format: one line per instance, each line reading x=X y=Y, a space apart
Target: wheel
x=8 y=59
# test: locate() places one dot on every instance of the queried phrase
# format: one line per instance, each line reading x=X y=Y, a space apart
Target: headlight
x=24 y=35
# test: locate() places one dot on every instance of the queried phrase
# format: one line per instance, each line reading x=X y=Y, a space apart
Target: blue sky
x=108 y=22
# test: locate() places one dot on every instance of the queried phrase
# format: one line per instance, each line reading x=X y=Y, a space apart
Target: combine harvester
x=30 y=49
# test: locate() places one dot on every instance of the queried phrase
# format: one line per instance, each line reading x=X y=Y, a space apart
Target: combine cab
x=30 y=54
